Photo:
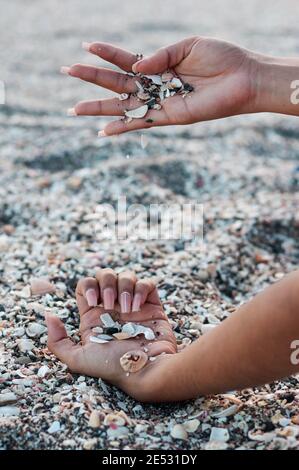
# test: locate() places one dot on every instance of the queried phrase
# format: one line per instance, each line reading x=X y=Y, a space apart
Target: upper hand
x=221 y=74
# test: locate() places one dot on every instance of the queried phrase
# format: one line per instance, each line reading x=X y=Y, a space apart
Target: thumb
x=59 y=343
x=165 y=58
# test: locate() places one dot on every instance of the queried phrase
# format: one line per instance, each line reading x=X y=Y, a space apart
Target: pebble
x=179 y=432
x=55 y=427
x=94 y=419
x=9 y=411
x=8 y=398
x=219 y=434
x=43 y=371
x=25 y=345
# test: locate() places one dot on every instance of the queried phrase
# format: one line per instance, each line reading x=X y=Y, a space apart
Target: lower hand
x=119 y=295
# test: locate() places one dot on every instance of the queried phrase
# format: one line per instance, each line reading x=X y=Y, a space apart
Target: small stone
x=55 y=427
x=43 y=371
x=41 y=286
x=179 y=432
x=25 y=345
x=8 y=398
x=219 y=434
x=6 y=411
x=94 y=419
x=192 y=425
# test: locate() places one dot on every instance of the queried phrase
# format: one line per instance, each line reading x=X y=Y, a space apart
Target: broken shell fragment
x=143 y=96
x=176 y=83
x=114 y=419
x=123 y=96
x=40 y=286
x=133 y=361
x=133 y=330
x=35 y=329
x=156 y=79
x=179 y=432
x=137 y=113
x=166 y=76
x=96 y=339
x=107 y=320
x=122 y=335
x=97 y=330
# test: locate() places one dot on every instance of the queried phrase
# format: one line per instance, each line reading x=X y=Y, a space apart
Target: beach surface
x=55 y=172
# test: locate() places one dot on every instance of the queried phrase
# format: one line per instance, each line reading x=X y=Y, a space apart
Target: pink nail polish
x=65 y=70
x=86 y=46
x=91 y=297
x=71 y=112
x=125 y=302
x=108 y=298
x=102 y=134
x=136 y=303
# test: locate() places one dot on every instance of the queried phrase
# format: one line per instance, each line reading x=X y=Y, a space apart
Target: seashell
x=231 y=410
x=219 y=434
x=114 y=419
x=134 y=330
x=192 y=425
x=133 y=361
x=43 y=371
x=107 y=320
x=157 y=106
x=35 y=329
x=156 y=79
x=25 y=345
x=143 y=95
x=261 y=437
x=8 y=398
x=122 y=335
x=179 y=432
x=176 y=83
x=55 y=427
x=166 y=76
x=94 y=419
x=41 y=286
x=123 y=96
x=97 y=330
x=96 y=339
x=139 y=86
x=137 y=113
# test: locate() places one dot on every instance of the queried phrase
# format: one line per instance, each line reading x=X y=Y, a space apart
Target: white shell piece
x=138 y=112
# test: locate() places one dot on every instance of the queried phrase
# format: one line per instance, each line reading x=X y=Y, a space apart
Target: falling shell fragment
x=133 y=361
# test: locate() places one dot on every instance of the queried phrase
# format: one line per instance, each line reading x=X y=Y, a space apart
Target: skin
x=227 y=79
x=252 y=347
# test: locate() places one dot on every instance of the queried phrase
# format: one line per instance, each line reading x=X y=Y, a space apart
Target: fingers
x=87 y=294
x=145 y=291
x=115 y=81
x=107 y=279
x=165 y=58
x=126 y=284
x=108 y=107
x=153 y=118
x=60 y=344
x=115 y=55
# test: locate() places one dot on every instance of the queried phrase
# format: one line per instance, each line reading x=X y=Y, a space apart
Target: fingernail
x=136 y=303
x=102 y=134
x=71 y=112
x=108 y=298
x=125 y=302
x=134 y=67
x=86 y=46
x=65 y=70
x=91 y=297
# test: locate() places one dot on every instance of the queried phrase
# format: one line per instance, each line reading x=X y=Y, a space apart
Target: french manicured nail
x=125 y=302
x=71 y=112
x=65 y=70
x=102 y=134
x=91 y=297
x=136 y=303
x=86 y=46
x=108 y=298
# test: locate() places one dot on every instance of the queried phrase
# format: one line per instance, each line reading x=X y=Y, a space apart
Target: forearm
x=277 y=85
x=251 y=347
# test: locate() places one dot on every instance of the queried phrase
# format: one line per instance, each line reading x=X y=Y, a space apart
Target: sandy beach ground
x=55 y=171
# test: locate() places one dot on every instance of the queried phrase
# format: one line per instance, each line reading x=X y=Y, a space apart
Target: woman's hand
x=128 y=300
x=222 y=75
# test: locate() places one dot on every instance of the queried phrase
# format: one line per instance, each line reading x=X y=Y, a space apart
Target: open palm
x=103 y=360
x=219 y=72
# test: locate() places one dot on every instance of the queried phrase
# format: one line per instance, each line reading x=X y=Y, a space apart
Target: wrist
x=275 y=83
